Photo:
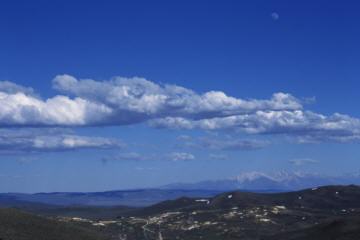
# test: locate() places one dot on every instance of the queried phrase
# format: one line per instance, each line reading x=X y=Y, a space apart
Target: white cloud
x=121 y=101
x=305 y=125
x=147 y=99
x=141 y=99
x=20 y=109
x=40 y=140
x=181 y=156
x=232 y=144
x=135 y=156
x=13 y=88
x=221 y=142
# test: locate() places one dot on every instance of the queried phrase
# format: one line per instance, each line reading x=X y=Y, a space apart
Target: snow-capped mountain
x=279 y=181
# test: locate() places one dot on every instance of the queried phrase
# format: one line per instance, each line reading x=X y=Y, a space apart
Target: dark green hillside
x=320 y=198
x=324 y=213
x=17 y=225
x=85 y=212
x=337 y=229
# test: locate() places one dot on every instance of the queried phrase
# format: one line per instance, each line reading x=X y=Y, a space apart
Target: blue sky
x=130 y=94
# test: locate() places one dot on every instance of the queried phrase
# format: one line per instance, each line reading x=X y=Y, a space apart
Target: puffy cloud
x=307 y=126
x=143 y=99
x=181 y=156
x=120 y=101
x=175 y=123
x=20 y=109
x=12 y=88
x=35 y=140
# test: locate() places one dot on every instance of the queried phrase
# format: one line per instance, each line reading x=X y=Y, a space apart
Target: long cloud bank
x=50 y=140
x=123 y=101
x=306 y=126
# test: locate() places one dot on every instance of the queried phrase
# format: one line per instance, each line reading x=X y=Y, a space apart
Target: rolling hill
x=322 y=213
x=18 y=225
x=300 y=215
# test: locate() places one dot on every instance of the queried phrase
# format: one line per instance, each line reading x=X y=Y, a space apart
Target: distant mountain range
x=323 y=213
x=274 y=182
x=133 y=198
x=250 y=181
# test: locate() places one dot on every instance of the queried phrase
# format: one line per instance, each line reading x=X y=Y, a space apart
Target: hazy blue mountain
x=250 y=181
x=141 y=197
x=262 y=182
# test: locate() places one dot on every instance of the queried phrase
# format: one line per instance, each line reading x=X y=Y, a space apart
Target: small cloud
x=134 y=156
x=127 y=156
x=181 y=156
x=33 y=140
x=231 y=144
x=223 y=143
x=275 y=16
x=302 y=161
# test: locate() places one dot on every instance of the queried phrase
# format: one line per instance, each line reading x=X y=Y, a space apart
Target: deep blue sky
x=239 y=47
